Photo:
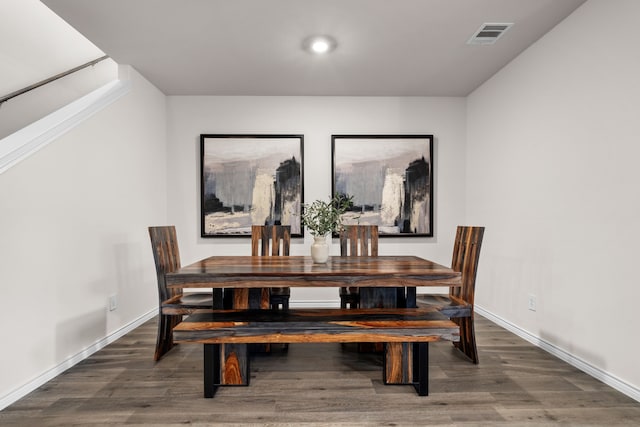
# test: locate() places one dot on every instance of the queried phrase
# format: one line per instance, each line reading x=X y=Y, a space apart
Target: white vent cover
x=488 y=33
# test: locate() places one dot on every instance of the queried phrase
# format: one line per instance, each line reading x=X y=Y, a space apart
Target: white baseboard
x=314 y=304
x=73 y=360
x=597 y=373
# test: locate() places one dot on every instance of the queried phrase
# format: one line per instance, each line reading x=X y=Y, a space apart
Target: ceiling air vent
x=488 y=33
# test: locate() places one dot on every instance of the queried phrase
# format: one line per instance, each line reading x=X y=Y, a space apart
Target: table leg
x=421 y=368
x=411 y=297
x=376 y=298
x=234 y=363
x=397 y=356
x=218 y=299
x=398 y=362
x=211 y=369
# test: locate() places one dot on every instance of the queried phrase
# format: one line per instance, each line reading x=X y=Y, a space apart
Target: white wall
x=552 y=171
x=317 y=118
x=73 y=221
x=36 y=44
x=544 y=155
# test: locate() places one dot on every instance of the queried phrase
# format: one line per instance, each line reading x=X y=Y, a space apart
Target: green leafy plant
x=322 y=218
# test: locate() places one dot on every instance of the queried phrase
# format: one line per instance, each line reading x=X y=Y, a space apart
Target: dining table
x=243 y=282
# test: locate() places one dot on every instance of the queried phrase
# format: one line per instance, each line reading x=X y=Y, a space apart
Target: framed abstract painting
x=250 y=180
x=390 y=178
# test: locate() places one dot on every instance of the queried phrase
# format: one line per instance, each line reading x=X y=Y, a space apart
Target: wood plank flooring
x=323 y=385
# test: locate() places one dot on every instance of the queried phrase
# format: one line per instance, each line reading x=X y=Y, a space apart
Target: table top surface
x=301 y=271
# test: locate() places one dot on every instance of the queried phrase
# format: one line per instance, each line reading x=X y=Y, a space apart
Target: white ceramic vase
x=319 y=249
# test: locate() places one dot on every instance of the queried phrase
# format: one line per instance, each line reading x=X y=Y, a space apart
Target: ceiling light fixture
x=319 y=44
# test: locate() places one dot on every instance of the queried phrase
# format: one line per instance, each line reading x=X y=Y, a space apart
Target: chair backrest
x=359 y=240
x=166 y=255
x=271 y=240
x=466 y=252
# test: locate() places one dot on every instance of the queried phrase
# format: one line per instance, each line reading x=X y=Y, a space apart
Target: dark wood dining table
x=384 y=282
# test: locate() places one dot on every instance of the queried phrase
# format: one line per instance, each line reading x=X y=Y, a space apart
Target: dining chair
x=172 y=303
x=356 y=240
x=273 y=240
x=459 y=303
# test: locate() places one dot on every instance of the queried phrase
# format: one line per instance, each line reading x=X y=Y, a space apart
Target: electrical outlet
x=532 y=302
x=113 y=302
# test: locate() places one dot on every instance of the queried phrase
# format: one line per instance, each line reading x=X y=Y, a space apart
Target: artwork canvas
x=390 y=178
x=250 y=180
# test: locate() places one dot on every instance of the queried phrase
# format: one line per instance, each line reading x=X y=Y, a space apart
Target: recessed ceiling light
x=319 y=44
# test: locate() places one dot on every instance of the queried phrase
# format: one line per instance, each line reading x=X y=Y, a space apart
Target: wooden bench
x=415 y=326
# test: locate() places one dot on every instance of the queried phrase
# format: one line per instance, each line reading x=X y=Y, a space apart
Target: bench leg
x=421 y=368
x=211 y=369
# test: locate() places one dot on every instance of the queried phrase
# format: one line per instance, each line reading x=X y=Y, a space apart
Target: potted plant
x=323 y=218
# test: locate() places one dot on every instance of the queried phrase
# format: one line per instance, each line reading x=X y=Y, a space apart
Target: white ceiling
x=254 y=47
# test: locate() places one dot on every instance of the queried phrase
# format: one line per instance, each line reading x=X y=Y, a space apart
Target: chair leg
x=349 y=300
x=280 y=301
x=164 y=341
x=467 y=343
x=285 y=306
x=276 y=303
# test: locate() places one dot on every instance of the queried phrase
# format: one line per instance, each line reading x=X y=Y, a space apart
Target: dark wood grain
x=359 y=240
x=234 y=356
x=362 y=240
x=400 y=326
x=356 y=240
x=172 y=302
x=273 y=240
x=397 y=356
x=393 y=272
x=300 y=271
x=270 y=240
x=316 y=325
x=266 y=240
x=458 y=305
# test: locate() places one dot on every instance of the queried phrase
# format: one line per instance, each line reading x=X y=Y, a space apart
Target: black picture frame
x=390 y=178
x=250 y=179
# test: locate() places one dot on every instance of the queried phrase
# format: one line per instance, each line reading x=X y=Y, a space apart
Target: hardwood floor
x=324 y=384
